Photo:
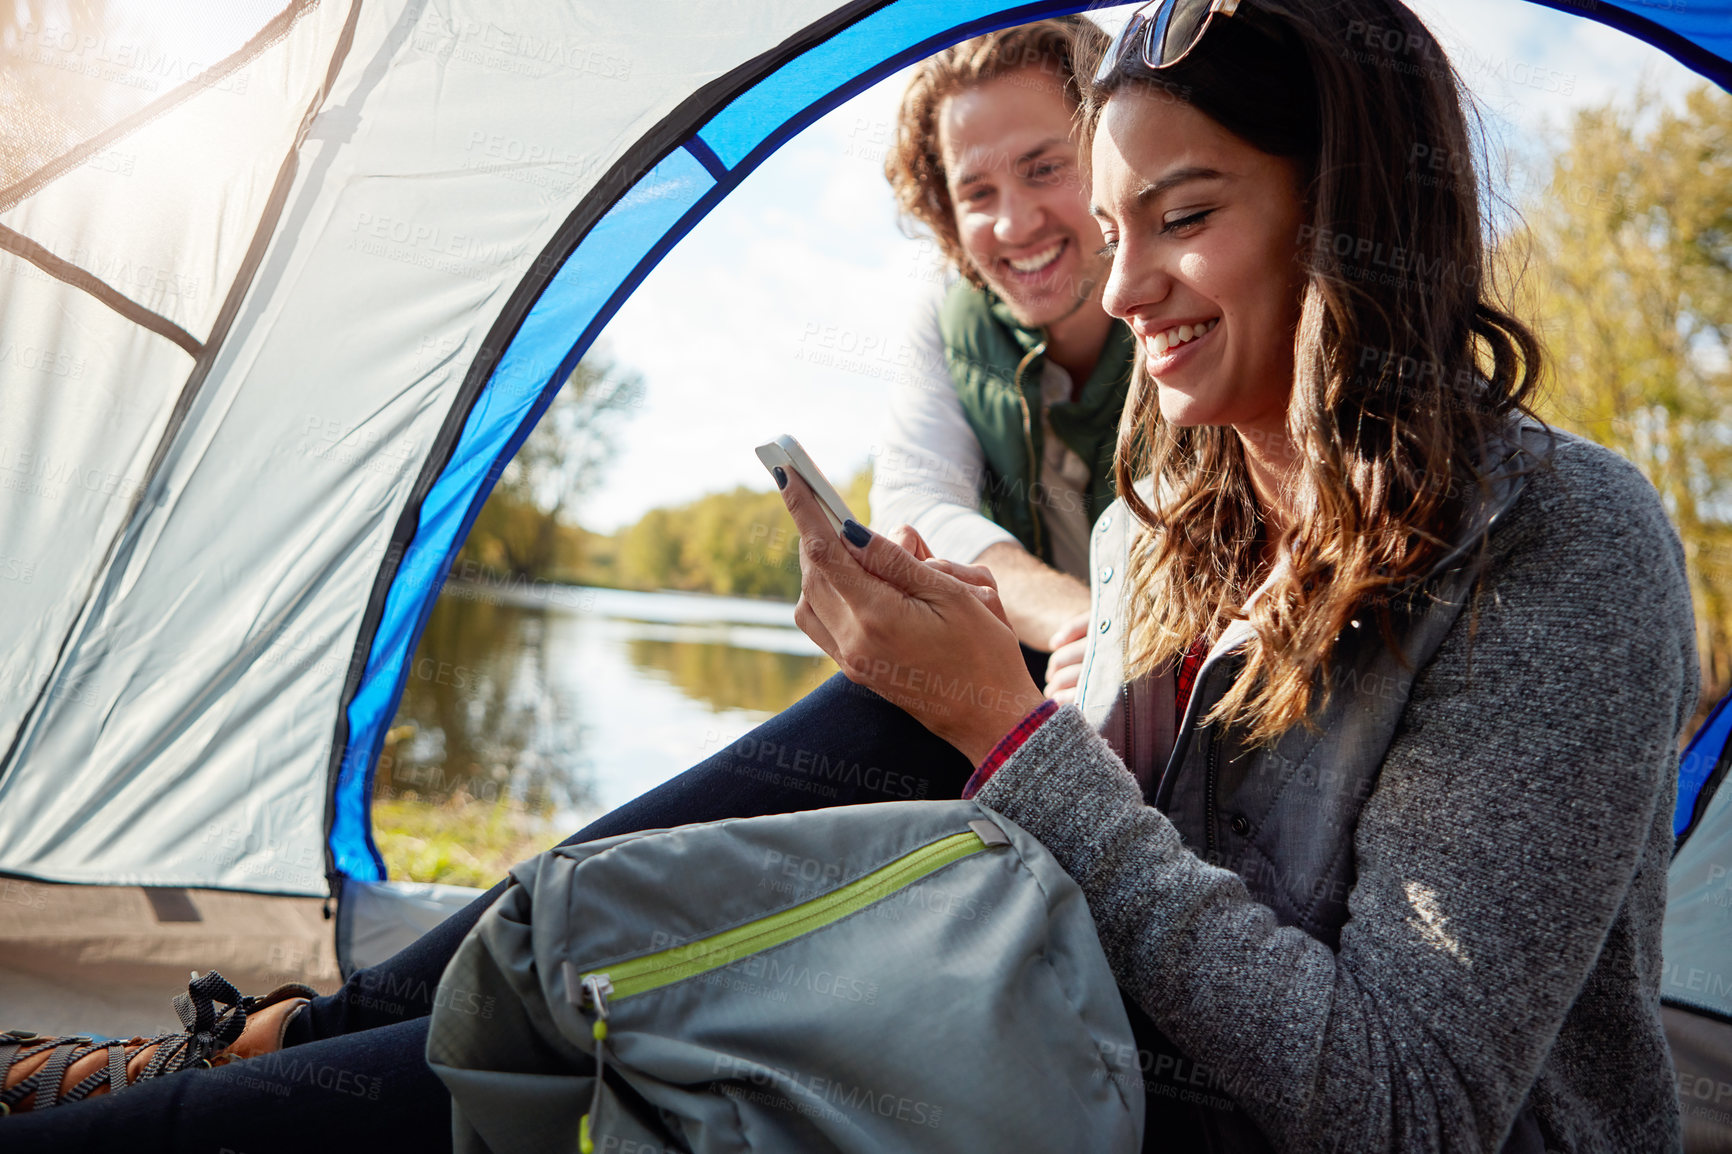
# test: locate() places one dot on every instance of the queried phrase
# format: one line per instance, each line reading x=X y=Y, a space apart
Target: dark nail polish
x=856 y=533
x=781 y=477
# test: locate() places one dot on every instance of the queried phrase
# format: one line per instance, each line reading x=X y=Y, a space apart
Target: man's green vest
x=995 y=365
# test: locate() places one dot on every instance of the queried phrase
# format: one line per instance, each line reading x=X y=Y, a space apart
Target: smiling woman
x=1355 y=850
x=1257 y=412
x=1198 y=218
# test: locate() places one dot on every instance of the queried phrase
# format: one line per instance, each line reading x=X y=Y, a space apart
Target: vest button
x=1241 y=825
x=1106 y=523
x=1106 y=624
x=1106 y=574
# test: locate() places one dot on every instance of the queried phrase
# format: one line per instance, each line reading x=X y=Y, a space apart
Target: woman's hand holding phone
x=928 y=635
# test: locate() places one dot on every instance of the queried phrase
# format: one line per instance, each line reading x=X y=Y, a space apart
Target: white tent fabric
x=161 y=220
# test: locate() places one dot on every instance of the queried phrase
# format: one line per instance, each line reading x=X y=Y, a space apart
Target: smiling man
x=1002 y=431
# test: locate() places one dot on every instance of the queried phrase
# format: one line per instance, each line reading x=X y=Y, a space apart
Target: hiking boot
x=38 y=1072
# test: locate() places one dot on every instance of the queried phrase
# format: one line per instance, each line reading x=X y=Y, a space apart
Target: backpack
x=902 y=976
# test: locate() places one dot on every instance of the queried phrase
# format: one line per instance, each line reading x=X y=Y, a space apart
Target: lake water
x=585 y=698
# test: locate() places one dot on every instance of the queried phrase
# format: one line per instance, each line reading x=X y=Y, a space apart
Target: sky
x=784 y=310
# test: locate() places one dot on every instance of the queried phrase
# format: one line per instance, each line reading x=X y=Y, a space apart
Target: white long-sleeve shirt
x=930 y=471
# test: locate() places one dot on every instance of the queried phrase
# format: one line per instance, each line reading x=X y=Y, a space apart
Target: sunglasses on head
x=1163 y=33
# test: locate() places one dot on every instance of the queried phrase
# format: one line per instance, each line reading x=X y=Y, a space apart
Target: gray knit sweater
x=1503 y=938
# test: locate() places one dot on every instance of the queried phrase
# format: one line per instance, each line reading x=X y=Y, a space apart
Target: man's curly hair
x=915 y=166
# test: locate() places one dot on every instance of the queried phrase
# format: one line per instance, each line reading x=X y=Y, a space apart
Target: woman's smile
x=1170 y=347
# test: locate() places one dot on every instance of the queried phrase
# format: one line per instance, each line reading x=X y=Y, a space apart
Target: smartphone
x=787 y=453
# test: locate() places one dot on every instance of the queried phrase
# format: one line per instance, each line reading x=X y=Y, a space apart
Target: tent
x=286 y=283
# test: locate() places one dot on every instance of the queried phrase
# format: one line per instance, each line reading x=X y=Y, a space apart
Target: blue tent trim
x=1695 y=33
x=1701 y=769
x=637 y=230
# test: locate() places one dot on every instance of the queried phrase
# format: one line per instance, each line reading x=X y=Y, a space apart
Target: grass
x=458 y=841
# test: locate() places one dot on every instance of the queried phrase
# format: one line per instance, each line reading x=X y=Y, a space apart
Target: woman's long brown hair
x=1406 y=367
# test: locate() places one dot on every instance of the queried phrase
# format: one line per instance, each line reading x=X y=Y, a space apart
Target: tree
x=524 y=529
x=1630 y=275
x=649 y=551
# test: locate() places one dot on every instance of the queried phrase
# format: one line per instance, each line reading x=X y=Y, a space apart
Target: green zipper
x=677 y=963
